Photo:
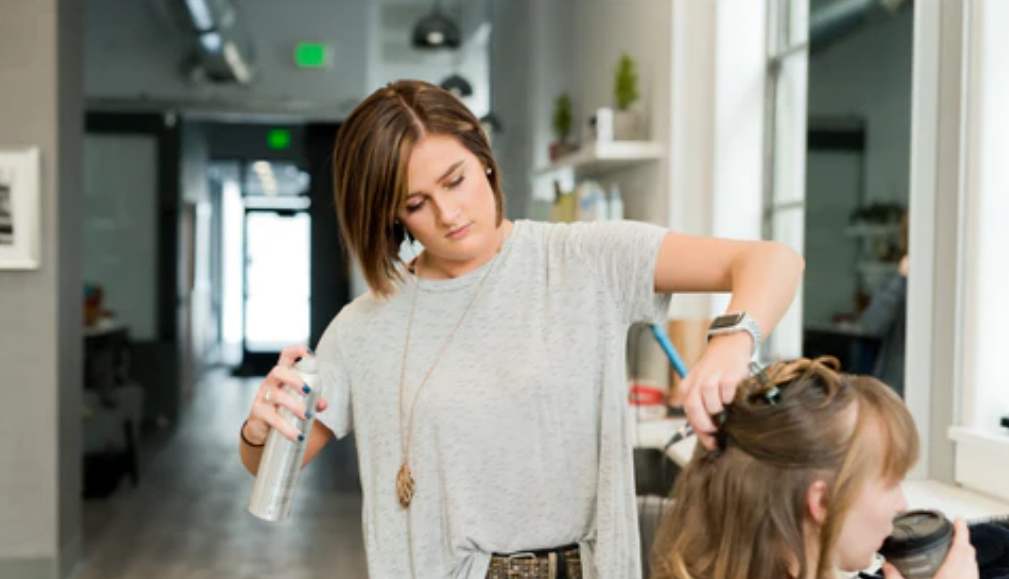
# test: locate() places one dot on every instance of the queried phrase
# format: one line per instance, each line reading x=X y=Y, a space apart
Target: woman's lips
x=459 y=232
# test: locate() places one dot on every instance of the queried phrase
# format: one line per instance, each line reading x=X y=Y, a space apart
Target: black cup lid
x=916 y=530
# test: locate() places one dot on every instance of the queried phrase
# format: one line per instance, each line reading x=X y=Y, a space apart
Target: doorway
x=265 y=260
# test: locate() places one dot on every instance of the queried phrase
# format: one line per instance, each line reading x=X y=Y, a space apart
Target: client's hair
x=739 y=510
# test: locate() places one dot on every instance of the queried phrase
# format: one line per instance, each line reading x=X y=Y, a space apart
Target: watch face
x=727 y=321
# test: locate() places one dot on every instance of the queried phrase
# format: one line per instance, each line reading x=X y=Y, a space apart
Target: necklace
x=406 y=487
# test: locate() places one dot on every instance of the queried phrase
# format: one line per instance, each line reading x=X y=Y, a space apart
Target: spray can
x=280 y=465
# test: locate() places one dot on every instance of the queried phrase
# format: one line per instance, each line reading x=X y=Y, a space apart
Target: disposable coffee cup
x=919 y=543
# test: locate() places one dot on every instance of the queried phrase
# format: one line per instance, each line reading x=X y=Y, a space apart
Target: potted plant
x=626 y=123
x=562 y=126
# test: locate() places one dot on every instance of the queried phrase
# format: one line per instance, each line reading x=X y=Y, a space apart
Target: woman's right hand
x=272 y=395
x=960 y=563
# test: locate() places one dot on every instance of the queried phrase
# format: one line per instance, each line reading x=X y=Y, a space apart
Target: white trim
x=691 y=138
x=933 y=288
x=977 y=467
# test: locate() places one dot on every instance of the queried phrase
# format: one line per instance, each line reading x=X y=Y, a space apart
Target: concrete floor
x=188 y=520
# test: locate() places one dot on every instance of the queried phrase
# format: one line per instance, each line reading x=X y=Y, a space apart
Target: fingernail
x=308 y=415
x=306 y=389
x=301 y=438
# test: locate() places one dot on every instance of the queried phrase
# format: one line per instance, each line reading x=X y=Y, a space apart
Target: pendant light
x=436 y=31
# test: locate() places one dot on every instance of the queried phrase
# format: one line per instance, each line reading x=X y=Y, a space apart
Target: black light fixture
x=458 y=86
x=436 y=30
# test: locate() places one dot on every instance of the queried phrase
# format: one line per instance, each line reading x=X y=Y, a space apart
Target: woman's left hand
x=712 y=382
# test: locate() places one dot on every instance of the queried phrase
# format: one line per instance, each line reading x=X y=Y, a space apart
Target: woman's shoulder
x=356 y=317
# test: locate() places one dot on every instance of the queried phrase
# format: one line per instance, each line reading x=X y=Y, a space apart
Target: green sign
x=278 y=139
x=311 y=55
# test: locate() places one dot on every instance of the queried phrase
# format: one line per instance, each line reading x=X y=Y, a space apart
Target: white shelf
x=606 y=156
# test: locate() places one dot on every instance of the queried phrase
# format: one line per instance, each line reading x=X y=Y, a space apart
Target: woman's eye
x=456 y=182
x=414 y=207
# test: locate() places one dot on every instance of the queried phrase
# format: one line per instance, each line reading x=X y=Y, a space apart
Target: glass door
x=277 y=298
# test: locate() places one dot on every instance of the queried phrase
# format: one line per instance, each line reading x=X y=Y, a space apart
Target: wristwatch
x=737 y=322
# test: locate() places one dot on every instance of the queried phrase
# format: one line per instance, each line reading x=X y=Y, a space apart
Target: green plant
x=626 y=83
x=562 y=117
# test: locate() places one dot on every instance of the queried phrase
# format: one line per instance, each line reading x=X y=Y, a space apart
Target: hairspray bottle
x=280 y=465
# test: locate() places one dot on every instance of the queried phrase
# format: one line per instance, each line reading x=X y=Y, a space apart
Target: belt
x=560 y=563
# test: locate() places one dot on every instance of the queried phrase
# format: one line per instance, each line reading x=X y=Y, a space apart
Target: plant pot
x=609 y=124
x=627 y=126
x=560 y=149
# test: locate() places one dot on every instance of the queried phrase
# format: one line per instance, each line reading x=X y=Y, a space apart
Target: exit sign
x=278 y=139
x=311 y=55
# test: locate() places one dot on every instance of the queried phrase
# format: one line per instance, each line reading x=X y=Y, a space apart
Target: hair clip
x=771 y=392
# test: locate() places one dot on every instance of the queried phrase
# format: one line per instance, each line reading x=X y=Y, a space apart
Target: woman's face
x=450 y=206
x=869 y=523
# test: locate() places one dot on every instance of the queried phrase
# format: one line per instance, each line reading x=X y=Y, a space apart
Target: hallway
x=188 y=517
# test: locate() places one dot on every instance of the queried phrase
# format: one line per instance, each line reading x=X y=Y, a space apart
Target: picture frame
x=19 y=208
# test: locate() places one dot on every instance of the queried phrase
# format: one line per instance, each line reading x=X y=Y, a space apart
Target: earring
x=489 y=170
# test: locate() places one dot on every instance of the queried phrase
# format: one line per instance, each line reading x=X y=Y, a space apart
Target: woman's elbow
x=790 y=263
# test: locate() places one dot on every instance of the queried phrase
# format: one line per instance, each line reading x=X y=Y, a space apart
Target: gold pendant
x=405 y=486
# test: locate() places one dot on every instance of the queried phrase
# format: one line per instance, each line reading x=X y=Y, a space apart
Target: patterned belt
x=561 y=563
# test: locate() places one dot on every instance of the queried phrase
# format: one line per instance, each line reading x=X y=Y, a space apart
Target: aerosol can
x=280 y=465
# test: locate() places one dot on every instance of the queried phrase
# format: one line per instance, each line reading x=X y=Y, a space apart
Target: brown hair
x=370 y=160
x=739 y=510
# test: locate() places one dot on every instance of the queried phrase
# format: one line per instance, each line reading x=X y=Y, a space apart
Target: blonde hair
x=740 y=510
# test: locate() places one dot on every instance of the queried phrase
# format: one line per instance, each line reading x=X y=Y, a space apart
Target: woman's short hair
x=739 y=510
x=370 y=160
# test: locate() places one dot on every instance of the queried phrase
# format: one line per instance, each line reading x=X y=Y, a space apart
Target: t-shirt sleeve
x=624 y=255
x=335 y=381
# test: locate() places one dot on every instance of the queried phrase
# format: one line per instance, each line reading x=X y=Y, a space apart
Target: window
x=784 y=149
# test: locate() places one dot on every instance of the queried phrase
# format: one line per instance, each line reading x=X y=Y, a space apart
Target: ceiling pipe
x=834 y=20
x=221 y=53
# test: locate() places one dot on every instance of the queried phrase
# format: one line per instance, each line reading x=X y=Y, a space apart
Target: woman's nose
x=448 y=211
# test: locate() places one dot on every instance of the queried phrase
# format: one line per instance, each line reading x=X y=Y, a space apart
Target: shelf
x=878 y=267
x=872 y=230
x=596 y=157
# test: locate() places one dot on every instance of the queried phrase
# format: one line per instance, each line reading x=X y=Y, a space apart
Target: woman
x=804 y=481
x=485 y=378
x=886 y=318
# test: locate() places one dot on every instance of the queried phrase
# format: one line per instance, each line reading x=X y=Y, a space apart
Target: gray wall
x=865 y=76
x=868 y=75
x=40 y=311
x=134 y=53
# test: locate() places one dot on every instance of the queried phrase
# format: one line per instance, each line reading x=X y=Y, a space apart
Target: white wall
x=982 y=449
x=541 y=49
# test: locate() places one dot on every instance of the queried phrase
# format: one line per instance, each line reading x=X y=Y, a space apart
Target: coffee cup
x=919 y=543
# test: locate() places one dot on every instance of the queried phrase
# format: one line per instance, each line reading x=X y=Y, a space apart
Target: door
x=277 y=297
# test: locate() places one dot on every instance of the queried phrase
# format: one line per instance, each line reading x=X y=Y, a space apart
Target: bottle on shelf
x=615 y=203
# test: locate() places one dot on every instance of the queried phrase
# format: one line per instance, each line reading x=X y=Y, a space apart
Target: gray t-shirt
x=519 y=438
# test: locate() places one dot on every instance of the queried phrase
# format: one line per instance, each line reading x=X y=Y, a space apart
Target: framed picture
x=19 y=208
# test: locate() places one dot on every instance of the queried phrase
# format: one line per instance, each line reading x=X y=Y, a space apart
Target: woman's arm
x=763 y=277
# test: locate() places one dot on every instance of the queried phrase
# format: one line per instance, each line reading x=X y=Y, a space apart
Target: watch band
x=734 y=323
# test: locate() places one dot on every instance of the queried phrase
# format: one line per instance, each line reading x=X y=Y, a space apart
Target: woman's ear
x=816 y=501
